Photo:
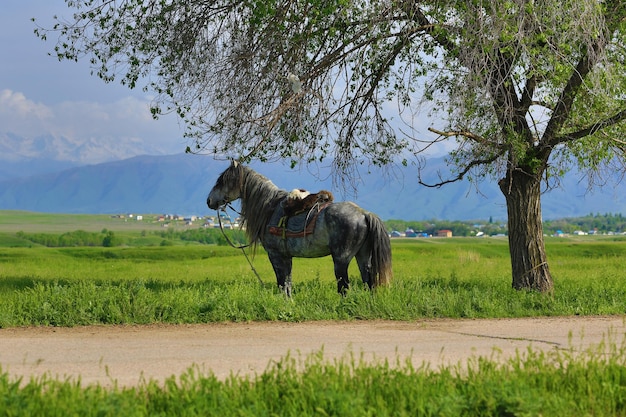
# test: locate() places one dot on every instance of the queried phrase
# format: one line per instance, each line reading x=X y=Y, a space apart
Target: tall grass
x=531 y=384
x=433 y=278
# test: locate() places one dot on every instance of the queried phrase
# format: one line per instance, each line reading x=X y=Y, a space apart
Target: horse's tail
x=381 y=271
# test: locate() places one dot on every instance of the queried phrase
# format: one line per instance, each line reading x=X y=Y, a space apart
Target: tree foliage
x=265 y=78
x=539 y=87
x=296 y=79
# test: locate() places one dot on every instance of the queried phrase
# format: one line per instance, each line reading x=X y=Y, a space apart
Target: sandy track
x=128 y=354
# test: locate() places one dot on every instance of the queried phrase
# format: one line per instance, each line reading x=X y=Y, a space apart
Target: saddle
x=300 y=202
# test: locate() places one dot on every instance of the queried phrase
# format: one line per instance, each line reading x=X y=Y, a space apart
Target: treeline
x=592 y=223
x=458 y=228
x=105 y=238
x=204 y=235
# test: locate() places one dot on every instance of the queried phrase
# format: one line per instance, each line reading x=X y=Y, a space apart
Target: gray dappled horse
x=342 y=230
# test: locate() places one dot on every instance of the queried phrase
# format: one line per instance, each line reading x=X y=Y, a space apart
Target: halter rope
x=242 y=247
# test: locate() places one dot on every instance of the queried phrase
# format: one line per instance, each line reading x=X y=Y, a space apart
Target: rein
x=230 y=242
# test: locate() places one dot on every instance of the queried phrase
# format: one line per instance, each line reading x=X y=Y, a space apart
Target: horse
x=342 y=230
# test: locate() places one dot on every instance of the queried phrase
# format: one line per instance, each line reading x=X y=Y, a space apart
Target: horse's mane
x=259 y=198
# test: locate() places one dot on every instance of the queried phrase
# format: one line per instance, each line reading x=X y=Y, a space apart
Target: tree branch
x=566 y=100
x=596 y=127
x=468 y=135
x=413 y=12
x=375 y=77
x=356 y=42
x=506 y=104
x=460 y=175
x=527 y=94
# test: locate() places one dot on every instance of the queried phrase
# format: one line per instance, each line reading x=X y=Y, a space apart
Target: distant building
x=444 y=233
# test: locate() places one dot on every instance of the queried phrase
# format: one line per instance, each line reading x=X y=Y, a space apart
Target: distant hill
x=179 y=184
x=33 y=166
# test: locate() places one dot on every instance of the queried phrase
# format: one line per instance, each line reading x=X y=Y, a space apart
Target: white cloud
x=125 y=119
x=14 y=105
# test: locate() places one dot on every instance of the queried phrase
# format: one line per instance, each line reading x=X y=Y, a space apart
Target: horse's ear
x=235 y=163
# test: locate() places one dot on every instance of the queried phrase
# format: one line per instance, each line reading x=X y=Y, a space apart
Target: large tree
x=525 y=89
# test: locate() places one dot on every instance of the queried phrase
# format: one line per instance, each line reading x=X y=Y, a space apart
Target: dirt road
x=101 y=354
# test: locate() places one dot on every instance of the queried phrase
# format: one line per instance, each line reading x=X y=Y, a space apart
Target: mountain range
x=59 y=148
x=179 y=184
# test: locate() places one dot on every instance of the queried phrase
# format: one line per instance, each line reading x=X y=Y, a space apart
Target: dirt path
x=101 y=354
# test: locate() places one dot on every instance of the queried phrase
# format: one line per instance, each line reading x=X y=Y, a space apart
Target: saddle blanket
x=299 y=225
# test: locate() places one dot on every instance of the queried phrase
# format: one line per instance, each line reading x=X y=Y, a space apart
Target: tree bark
x=529 y=262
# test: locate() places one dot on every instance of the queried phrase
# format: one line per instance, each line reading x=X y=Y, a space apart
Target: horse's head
x=227 y=188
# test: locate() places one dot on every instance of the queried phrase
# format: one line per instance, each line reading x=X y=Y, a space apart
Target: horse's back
x=336 y=225
x=346 y=223
x=345 y=213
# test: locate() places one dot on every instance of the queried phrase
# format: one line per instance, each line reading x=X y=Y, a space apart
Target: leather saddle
x=303 y=208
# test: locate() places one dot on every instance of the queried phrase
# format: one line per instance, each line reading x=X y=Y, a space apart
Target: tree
x=110 y=240
x=526 y=89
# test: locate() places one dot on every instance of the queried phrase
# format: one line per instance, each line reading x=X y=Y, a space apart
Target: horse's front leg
x=282 y=268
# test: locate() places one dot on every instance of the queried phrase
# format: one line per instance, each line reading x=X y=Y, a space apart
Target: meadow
x=197 y=283
x=146 y=281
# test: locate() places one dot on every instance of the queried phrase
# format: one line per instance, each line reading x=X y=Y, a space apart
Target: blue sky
x=40 y=95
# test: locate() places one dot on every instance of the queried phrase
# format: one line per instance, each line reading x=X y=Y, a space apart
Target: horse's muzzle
x=213 y=204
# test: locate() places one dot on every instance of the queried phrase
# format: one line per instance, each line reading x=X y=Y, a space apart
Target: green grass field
x=187 y=282
x=458 y=277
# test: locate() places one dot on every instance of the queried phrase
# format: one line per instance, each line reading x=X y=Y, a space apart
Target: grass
x=190 y=283
x=533 y=383
x=15 y=221
x=434 y=278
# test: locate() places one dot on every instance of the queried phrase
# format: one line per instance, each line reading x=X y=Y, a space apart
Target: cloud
x=14 y=105
x=127 y=118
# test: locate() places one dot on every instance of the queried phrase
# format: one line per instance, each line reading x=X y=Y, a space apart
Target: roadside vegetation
x=559 y=383
x=187 y=281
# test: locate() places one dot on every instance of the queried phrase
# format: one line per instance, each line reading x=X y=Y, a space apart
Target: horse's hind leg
x=364 y=261
x=341 y=274
x=282 y=268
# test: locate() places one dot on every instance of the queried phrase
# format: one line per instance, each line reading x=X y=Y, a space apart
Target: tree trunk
x=526 y=246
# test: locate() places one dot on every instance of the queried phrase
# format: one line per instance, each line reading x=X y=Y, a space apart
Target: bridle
x=222 y=209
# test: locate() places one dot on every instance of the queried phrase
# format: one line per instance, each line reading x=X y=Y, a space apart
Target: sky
x=40 y=95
